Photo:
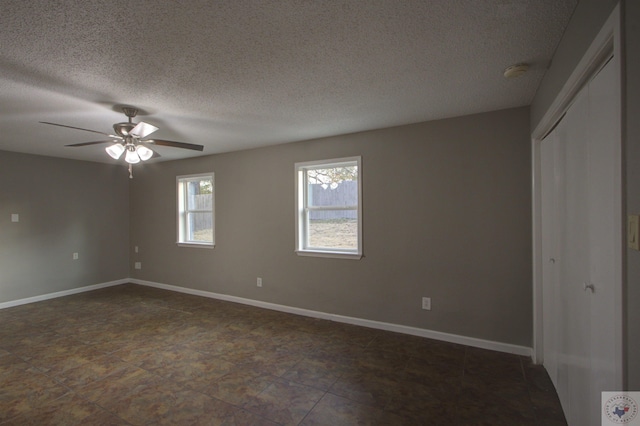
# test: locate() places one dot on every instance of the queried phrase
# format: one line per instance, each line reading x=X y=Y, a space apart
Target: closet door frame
x=606 y=44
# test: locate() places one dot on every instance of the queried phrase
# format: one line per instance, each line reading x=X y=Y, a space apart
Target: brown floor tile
x=334 y=410
x=217 y=342
x=27 y=345
x=97 y=369
x=373 y=360
x=367 y=388
x=67 y=410
x=196 y=372
x=417 y=347
x=493 y=401
x=492 y=364
x=239 y=386
x=7 y=358
x=109 y=391
x=286 y=403
x=425 y=404
x=103 y=418
x=56 y=362
x=546 y=406
x=197 y=409
x=162 y=405
x=342 y=351
x=23 y=388
x=315 y=372
x=350 y=333
x=130 y=355
x=150 y=355
x=422 y=371
x=286 y=338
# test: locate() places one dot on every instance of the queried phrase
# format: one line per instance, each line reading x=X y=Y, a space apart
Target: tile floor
x=133 y=355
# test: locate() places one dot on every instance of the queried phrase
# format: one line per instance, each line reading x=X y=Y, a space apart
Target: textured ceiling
x=239 y=74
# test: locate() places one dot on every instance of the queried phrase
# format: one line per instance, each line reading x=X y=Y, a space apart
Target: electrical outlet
x=426 y=303
x=259 y=282
x=138 y=265
x=15 y=217
x=135 y=249
x=75 y=256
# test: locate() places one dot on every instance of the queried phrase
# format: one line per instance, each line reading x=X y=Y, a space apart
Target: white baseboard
x=436 y=335
x=414 y=331
x=48 y=296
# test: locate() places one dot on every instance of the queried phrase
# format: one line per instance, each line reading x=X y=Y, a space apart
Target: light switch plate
x=633 y=231
x=15 y=217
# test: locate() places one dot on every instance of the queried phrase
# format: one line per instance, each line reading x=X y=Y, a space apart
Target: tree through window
x=328 y=203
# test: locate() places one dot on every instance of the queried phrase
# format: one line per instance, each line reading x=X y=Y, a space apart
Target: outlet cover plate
x=426 y=303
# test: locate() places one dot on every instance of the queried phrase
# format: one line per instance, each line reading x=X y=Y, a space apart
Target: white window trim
x=180 y=202
x=300 y=213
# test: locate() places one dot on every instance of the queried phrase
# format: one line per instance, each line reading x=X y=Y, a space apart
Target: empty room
x=320 y=213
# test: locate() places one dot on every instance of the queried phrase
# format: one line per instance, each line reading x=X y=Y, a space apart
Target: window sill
x=196 y=245
x=330 y=254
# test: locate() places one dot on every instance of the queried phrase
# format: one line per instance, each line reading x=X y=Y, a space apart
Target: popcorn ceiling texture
x=240 y=74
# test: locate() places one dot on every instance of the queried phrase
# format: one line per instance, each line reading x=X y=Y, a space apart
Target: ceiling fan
x=129 y=139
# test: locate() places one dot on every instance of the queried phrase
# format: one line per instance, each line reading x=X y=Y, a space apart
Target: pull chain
x=130 y=171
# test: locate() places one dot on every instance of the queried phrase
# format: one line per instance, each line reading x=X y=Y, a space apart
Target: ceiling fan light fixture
x=130 y=137
x=115 y=151
x=131 y=156
x=143 y=152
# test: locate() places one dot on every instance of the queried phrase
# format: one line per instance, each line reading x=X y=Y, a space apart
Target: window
x=328 y=208
x=195 y=210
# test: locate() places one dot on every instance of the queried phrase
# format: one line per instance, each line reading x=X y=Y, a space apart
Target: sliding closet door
x=574 y=261
x=551 y=160
x=581 y=249
x=605 y=236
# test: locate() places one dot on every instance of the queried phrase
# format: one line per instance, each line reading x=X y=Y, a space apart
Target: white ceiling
x=239 y=74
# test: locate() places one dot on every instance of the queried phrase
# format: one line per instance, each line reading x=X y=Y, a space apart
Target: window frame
x=183 y=211
x=302 y=209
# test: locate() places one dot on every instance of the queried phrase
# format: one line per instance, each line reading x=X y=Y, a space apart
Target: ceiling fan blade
x=90 y=143
x=80 y=128
x=184 y=145
x=143 y=129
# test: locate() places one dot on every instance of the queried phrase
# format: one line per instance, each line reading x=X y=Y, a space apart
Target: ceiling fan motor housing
x=130 y=112
x=123 y=129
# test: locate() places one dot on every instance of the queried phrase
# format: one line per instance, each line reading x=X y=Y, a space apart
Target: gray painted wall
x=588 y=18
x=65 y=206
x=447 y=214
x=632 y=129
